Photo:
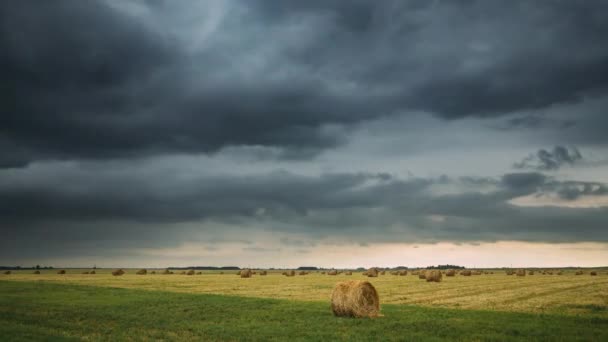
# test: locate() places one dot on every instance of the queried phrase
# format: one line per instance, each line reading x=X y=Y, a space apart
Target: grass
x=566 y=294
x=33 y=310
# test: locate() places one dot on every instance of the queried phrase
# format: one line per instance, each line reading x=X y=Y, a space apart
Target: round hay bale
x=36 y=272
x=323 y=272
x=422 y=275
x=521 y=273
x=118 y=272
x=578 y=273
x=166 y=272
x=372 y=272
x=530 y=272
x=142 y=272
x=263 y=273
x=433 y=276
x=7 y=272
x=348 y=273
x=85 y=272
x=403 y=273
x=290 y=273
x=246 y=273
x=199 y=273
x=302 y=273
x=355 y=298
x=61 y=272
x=332 y=273
x=153 y=272
x=466 y=273
x=190 y=272
x=450 y=273
x=92 y=272
x=593 y=273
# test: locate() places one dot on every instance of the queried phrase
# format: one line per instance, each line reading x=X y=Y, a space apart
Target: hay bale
x=7 y=272
x=263 y=273
x=593 y=273
x=323 y=272
x=402 y=273
x=199 y=273
x=190 y=272
x=221 y=272
x=290 y=273
x=118 y=272
x=245 y=273
x=510 y=272
x=466 y=273
x=450 y=273
x=92 y=272
x=85 y=272
x=332 y=273
x=167 y=272
x=578 y=273
x=302 y=273
x=433 y=276
x=372 y=272
x=36 y=272
x=142 y=272
x=422 y=275
x=521 y=273
x=476 y=272
x=61 y=272
x=530 y=272
x=355 y=298
x=153 y=272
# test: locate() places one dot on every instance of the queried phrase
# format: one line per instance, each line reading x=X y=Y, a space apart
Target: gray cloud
x=290 y=76
x=550 y=160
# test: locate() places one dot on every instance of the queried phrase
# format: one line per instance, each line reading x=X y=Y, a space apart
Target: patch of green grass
x=43 y=311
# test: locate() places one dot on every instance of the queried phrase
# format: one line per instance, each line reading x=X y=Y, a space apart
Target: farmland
x=489 y=306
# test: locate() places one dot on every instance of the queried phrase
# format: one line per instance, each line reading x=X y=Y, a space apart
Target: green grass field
x=213 y=306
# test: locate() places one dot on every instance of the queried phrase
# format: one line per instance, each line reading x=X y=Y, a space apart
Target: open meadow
x=178 y=306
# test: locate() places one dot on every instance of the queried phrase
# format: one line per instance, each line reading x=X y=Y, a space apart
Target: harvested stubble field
x=509 y=306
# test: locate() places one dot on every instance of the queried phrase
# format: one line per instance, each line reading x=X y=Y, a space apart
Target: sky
x=303 y=133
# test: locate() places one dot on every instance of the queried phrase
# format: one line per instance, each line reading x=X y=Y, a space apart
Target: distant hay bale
x=510 y=272
x=85 y=272
x=476 y=273
x=221 y=272
x=433 y=276
x=372 y=272
x=323 y=272
x=182 y=272
x=450 y=273
x=166 y=272
x=355 y=298
x=593 y=273
x=290 y=273
x=199 y=273
x=559 y=273
x=153 y=272
x=142 y=272
x=302 y=273
x=530 y=272
x=394 y=273
x=190 y=272
x=118 y=272
x=61 y=272
x=578 y=273
x=253 y=272
x=422 y=275
x=348 y=273
x=92 y=272
x=36 y=272
x=415 y=272
x=7 y=272
x=403 y=273
x=332 y=273
x=246 y=273
x=466 y=273
x=263 y=273
x=521 y=273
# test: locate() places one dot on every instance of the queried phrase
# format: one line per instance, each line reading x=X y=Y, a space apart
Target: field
x=215 y=306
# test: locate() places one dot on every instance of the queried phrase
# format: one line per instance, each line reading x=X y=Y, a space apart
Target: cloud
x=292 y=77
x=550 y=160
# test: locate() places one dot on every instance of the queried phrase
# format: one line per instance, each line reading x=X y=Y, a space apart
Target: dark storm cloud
x=90 y=80
x=366 y=207
x=550 y=160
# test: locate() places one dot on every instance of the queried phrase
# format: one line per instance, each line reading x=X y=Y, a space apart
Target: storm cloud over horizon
x=145 y=126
